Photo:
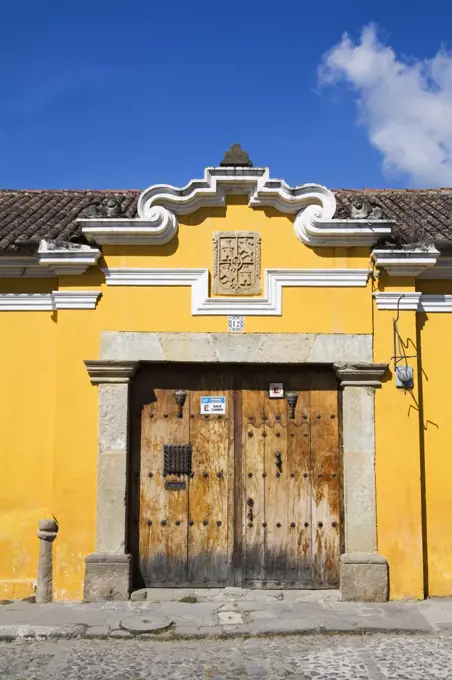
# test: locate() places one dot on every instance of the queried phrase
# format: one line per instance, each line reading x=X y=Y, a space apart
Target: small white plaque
x=236 y=324
x=276 y=390
x=215 y=405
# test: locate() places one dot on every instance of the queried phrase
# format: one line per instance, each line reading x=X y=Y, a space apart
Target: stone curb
x=23 y=633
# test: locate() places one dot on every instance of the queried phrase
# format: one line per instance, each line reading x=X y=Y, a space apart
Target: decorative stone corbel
x=48 y=529
x=101 y=372
x=50 y=258
x=407 y=261
x=360 y=374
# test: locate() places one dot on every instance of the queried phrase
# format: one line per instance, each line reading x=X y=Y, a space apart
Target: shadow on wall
x=421 y=320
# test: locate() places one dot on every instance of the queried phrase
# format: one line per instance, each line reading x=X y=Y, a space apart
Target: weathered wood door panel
x=253 y=401
x=211 y=440
x=262 y=503
x=185 y=533
x=291 y=459
x=163 y=514
x=325 y=475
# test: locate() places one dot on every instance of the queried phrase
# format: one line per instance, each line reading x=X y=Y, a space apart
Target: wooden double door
x=236 y=476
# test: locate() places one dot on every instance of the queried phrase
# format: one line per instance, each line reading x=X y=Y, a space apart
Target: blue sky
x=127 y=94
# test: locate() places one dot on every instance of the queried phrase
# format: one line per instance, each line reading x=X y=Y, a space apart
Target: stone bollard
x=48 y=529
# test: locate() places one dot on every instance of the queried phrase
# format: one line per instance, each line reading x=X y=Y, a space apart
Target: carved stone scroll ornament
x=236 y=263
x=361 y=209
x=108 y=207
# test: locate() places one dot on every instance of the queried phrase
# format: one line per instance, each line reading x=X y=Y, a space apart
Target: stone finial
x=47 y=529
x=361 y=209
x=47 y=532
x=236 y=158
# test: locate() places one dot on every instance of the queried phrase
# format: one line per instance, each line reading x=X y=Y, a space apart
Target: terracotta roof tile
x=420 y=215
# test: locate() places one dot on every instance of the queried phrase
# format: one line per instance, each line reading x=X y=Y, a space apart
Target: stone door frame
x=363 y=572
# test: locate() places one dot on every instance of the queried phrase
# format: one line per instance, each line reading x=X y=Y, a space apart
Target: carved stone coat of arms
x=236 y=263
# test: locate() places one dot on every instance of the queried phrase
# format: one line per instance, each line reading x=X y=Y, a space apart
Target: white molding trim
x=49 y=302
x=159 y=205
x=397 y=300
x=26 y=302
x=441 y=270
x=407 y=262
x=76 y=299
x=417 y=302
x=435 y=303
x=268 y=305
x=51 y=259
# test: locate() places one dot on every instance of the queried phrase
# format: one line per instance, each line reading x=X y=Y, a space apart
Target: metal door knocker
x=250 y=504
x=180 y=397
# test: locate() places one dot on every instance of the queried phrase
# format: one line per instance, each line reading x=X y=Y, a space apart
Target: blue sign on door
x=213 y=405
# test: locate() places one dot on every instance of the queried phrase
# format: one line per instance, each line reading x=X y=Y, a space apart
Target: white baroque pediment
x=313 y=205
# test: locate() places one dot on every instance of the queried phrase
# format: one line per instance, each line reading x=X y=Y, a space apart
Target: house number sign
x=236 y=324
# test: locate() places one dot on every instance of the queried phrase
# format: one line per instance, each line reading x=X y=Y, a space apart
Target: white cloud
x=406 y=105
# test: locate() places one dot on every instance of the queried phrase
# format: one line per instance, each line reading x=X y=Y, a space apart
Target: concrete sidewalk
x=168 y=614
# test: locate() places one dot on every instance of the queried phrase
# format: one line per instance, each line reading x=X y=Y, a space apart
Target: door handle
x=250 y=504
x=278 y=460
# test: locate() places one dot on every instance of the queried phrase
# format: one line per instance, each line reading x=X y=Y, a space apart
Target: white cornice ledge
x=314 y=206
x=441 y=270
x=110 y=371
x=26 y=302
x=316 y=227
x=51 y=259
x=435 y=303
x=418 y=302
x=49 y=302
x=397 y=300
x=406 y=262
x=159 y=227
x=268 y=305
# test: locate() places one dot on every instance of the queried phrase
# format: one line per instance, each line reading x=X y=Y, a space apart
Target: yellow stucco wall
x=27 y=420
x=49 y=408
x=434 y=333
x=399 y=519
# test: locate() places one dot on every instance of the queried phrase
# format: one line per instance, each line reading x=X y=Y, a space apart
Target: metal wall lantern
x=404 y=373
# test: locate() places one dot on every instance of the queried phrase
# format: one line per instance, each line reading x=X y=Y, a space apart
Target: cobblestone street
x=373 y=657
